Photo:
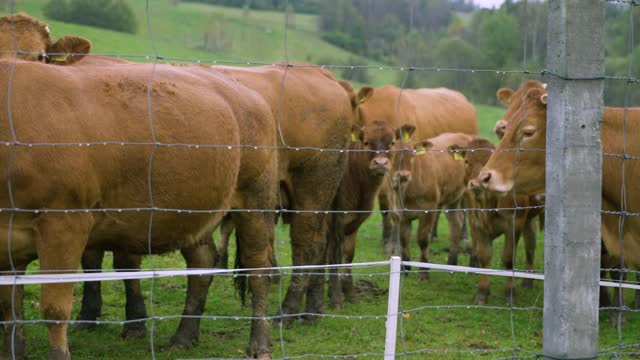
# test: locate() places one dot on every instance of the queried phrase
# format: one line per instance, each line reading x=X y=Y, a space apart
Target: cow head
x=380 y=139
x=476 y=155
x=513 y=101
x=27 y=38
x=519 y=160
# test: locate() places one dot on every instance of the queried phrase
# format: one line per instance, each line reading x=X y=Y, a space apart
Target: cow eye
x=528 y=131
x=366 y=143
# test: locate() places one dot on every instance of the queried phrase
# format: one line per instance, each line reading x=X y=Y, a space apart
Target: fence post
x=575 y=59
x=392 y=308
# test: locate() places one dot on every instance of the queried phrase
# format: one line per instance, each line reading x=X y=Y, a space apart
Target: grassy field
x=440 y=321
x=178 y=33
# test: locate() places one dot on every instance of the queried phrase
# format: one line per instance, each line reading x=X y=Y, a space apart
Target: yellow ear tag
x=458 y=156
x=354 y=137
x=59 y=58
x=406 y=137
x=421 y=151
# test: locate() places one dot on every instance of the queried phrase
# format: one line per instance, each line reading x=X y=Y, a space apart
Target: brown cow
x=488 y=225
x=429 y=177
x=501 y=173
x=370 y=160
x=312 y=111
x=190 y=105
x=431 y=111
x=33 y=39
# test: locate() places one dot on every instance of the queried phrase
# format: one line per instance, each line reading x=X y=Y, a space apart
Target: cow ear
x=68 y=49
x=357 y=134
x=427 y=144
x=350 y=92
x=364 y=94
x=456 y=152
x=537 y=96
x=405 y=132
x=504 y=95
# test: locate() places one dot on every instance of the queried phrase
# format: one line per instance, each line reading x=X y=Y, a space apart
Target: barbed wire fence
x=400 y=307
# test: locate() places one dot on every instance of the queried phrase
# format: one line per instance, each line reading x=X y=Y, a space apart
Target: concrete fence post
x=575 y=60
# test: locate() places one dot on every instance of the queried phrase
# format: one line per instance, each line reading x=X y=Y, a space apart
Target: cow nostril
x=485 y=177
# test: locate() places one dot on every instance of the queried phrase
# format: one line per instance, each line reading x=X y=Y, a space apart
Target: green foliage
x=302 y=6
x=499 y=38
x=109 y=14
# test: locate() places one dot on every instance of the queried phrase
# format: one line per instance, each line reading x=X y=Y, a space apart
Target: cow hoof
x=510 y=296
x=453 y=260
x=263 y=356
x=309 y=319
x=19 y=350
x=527 y=283
x=181 y=342
x=482 y=297
x=84 y=326
x=336 y=302
x=134 y=331
x=616 y=317
x=59 y=354
x=424 y=275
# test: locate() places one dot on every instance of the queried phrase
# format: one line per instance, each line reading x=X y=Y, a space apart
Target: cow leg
x=434 y=230
x=456 y=220
x=135 y=307
x=606 y=262
x=347 y=280
x=425 y=224
x=529 y=235
x=637 y=297
x=223 y=248
x=389 y=240
x=255 y=233
x=484 y=250
x=14 y=343
x=335 y=256
x=308 y=240
x=61 y=242
x=508 y=255
x=201 y=256
x=91 y=307
x=405 y=241
x=617 y=316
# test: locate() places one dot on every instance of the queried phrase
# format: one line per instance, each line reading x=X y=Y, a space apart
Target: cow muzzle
x=491 y=180
x=474 y=185
x=379 y=166
x=402 y=176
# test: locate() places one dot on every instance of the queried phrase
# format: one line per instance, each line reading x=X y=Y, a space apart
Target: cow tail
x=241 y=280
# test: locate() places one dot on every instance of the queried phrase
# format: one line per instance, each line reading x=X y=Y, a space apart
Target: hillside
x=179 y=31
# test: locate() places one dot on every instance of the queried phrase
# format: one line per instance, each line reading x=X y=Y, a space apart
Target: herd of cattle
x=108 y=155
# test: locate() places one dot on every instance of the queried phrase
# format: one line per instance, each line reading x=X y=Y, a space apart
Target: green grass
x=441 y=315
